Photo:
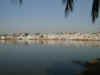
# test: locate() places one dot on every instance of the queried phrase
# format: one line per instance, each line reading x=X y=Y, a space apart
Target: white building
x=2 y=37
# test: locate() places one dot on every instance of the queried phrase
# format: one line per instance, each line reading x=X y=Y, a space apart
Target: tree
x=94 y=12
x=69 y=7
x=17 y=1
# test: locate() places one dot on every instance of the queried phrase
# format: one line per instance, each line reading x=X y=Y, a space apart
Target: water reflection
x=67 y=43
x=25 y=57
x=62 y=68
x=91 y=67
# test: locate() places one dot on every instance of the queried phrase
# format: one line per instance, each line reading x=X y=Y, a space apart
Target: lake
x=42 y=57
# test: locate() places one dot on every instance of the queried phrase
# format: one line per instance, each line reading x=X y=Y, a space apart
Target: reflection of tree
x=91 y=67
x=41 y=42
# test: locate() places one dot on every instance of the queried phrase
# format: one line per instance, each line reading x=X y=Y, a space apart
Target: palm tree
x=94 y=12
x=69 y=7
x=17 y=1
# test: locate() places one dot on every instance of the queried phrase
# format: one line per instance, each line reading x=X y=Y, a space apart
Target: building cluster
x=52 y=36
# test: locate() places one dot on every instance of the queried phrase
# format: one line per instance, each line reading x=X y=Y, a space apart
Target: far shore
x=53 y=36
x=51 y=39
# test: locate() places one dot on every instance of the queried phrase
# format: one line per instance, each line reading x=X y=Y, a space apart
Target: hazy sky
x=46 y=16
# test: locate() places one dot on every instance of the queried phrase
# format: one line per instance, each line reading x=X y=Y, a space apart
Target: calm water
x=45 y=57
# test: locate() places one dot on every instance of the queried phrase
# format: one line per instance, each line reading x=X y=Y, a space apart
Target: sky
x=46 y=16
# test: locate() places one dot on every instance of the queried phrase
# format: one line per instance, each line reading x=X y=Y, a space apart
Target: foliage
x=94 y=12
x=70 y=4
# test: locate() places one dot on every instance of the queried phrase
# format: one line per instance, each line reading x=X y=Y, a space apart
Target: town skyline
x=89 y=36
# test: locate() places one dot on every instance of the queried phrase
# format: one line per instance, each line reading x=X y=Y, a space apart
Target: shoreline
x=54 y=36
x=49 y=40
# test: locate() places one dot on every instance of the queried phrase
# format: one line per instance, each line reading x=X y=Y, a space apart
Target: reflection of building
x=66 y=43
